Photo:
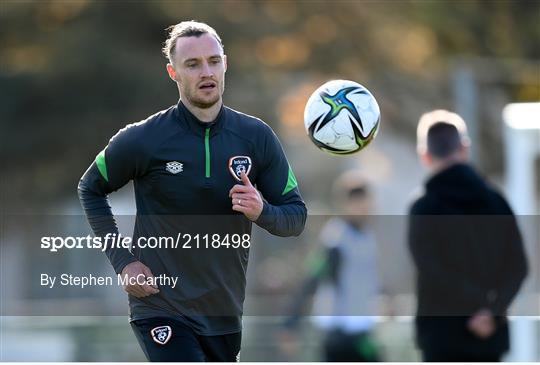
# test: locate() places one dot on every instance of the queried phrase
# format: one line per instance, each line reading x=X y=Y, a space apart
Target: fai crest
x=237 y=164
x=161 y=334
x=174 y=167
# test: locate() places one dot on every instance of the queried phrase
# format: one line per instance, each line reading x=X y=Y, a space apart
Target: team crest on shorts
x=161 y=334
x=237 y=164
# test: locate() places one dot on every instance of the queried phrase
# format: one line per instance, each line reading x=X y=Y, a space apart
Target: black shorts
x=350 y=347
x=167 y=339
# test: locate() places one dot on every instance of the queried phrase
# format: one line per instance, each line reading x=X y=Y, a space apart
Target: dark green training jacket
x=182 y=170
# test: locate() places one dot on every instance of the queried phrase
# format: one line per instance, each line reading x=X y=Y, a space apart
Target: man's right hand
x=134 y=272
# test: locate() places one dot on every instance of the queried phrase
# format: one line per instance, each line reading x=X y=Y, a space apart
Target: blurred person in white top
x=343 y=277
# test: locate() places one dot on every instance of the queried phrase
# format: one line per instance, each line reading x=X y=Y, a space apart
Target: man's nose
x=207 y=70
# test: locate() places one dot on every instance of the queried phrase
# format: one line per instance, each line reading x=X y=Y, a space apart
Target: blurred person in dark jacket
x=343 y=277
x=467 y=250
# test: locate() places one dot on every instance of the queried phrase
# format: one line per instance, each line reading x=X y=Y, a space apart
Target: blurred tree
x=73 y=72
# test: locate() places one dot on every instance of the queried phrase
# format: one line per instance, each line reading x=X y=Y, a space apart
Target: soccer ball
x=342 y=117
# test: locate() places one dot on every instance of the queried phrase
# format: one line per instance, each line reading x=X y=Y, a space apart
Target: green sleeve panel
x=291 y=182
x=102 y=165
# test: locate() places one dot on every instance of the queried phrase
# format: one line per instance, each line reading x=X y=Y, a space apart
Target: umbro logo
x=174 y=167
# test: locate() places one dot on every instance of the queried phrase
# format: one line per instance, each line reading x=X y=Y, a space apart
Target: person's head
x=442 y=139
x=197 y=63
x=352 y=195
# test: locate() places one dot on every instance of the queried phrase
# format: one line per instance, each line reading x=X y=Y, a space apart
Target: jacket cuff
x=266 y=219
x=126 y=259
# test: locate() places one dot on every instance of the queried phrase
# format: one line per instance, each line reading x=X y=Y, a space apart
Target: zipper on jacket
x=207 y=152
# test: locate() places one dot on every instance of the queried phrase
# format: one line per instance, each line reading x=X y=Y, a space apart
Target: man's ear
x=464 y=152
x=225 y=62
x=172 y=72
x=426 y=158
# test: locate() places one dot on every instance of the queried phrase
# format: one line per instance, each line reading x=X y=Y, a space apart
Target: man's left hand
x=246 y=199
x=482 y=324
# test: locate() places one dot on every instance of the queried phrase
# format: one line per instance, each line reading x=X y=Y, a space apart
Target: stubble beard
x=204 y=103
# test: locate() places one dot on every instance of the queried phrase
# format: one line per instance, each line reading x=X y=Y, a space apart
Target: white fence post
x=522 y=147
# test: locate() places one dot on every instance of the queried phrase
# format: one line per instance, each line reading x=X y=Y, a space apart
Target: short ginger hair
x=190 y=28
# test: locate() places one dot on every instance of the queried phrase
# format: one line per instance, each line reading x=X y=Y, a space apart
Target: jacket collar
x=195 y=125
x=458 y=181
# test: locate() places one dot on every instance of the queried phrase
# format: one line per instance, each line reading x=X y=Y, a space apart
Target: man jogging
x=467 y=250
x=197 y=168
